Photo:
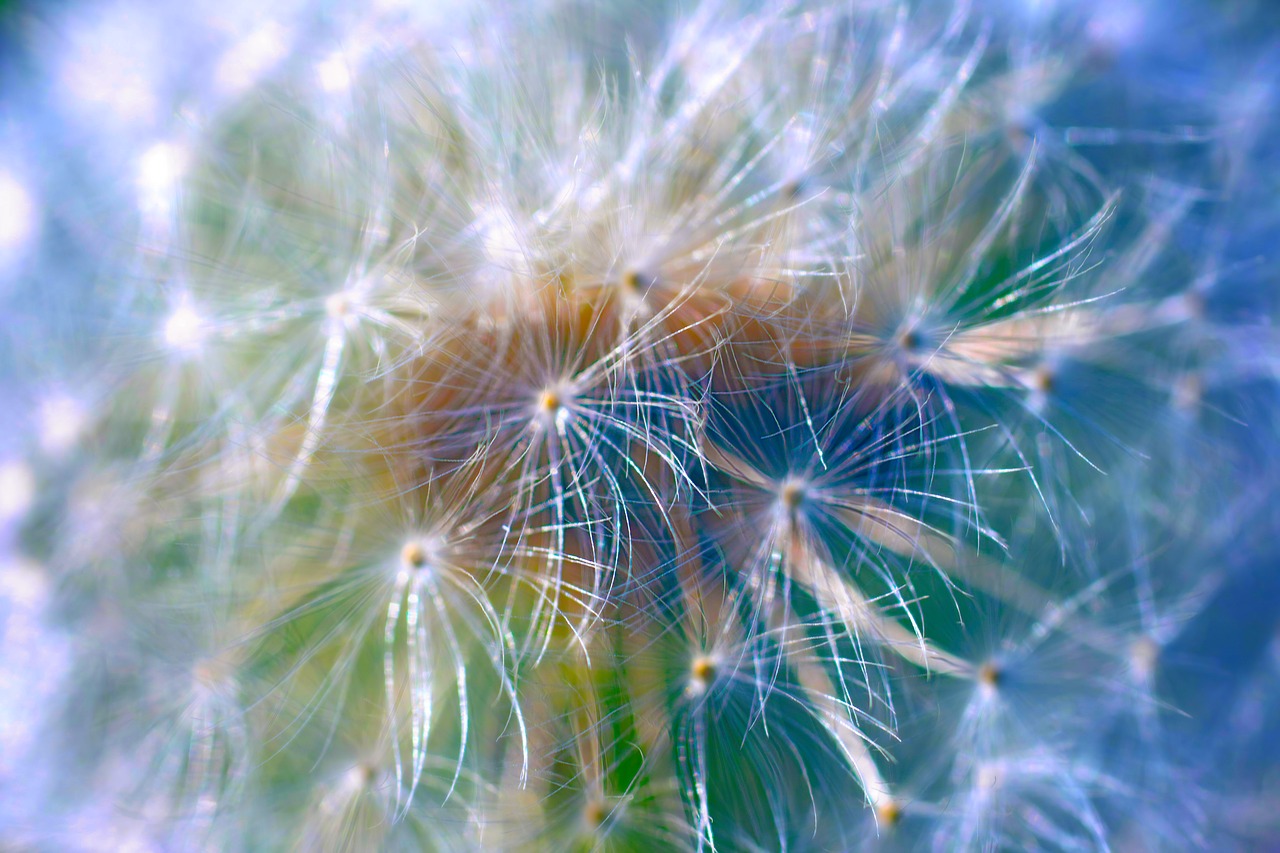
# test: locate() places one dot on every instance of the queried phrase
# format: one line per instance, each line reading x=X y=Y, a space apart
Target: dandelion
x=741 y=426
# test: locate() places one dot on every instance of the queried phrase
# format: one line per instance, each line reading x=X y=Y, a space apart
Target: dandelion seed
x=1116 y=27
x=185 y=331
x=702 y=672
x=889 y=813
x=160 y=170
x=745 y=427
x=1144 y=655
x=414 y=555
x=553 y=407
x=246 y=61
x=115 y=62
x=334 y=74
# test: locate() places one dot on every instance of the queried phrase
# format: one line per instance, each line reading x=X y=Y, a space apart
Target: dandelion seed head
x=745 y=336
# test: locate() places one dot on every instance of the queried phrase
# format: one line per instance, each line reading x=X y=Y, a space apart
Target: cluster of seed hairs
x=733 y=426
